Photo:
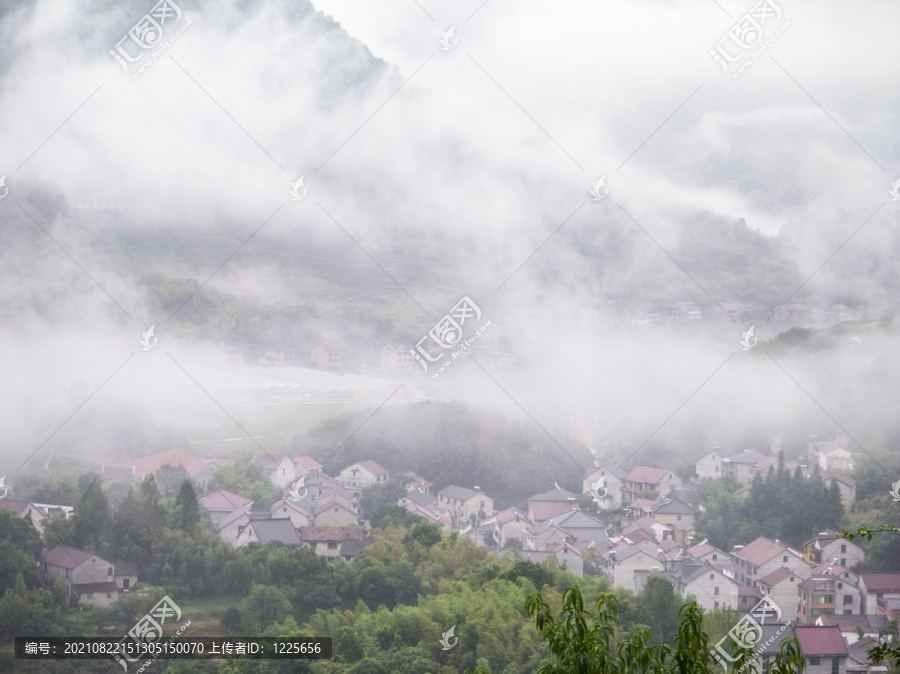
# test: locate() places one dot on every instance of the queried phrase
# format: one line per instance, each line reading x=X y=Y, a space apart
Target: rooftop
x=174 y=457
x=67 y=557
x=224 y=500
x=815 y=641
x=647 y=474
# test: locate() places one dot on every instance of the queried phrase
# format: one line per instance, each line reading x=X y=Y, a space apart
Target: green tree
x=380 y=494
x=169 y=478
x=265 y=605
x=92 y=518
x=186 y=513
x=393 y=516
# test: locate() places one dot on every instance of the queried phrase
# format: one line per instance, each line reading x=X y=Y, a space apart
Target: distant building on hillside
x=198 y=470
x=325 y=357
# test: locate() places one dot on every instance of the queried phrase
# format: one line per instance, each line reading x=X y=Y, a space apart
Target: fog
x=434 y=174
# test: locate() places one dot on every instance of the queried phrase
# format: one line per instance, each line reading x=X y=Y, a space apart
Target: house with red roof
x=878 y=587
x=622 y=561
x=507 y=525
x=36 y=512
x=567 y=557
x=197 y=469
x=823 y=648
x=222 y=503
x=654 y=478
x=296 y=513
x=707 y=552
x=361 y=474
x=762 y=556
x=832 y=589
x=304 y=465
x=91 y=579
x=781 y=587
x=332 y=511
x=437 y=516
x=548 y=504
x=418 y=482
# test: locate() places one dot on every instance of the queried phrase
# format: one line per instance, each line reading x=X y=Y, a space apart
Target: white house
x=278 y=467
x=91 y=578
x=361 y=474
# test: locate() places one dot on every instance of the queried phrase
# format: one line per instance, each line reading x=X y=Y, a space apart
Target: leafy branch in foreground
x=868 y=533
x=585 y=643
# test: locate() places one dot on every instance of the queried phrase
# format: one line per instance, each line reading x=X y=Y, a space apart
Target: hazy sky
x=480 y=151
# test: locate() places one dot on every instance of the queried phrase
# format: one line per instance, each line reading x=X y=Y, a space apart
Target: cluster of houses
x=834 y=612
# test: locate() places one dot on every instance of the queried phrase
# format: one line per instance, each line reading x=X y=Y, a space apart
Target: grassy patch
x=211 y=605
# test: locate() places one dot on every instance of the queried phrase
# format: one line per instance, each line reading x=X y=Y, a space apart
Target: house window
x=840 y=585
x=715 y=556
x=109 y=571
x=679 y=517
x=844 y=548
x=843 y=561
x=792 y=579
x=126 y=583
x=715 y=604
x=715 y=590
x=848 y=599
x=784 y=559
x=813 y=661
x=332 y=545
x=835 y=665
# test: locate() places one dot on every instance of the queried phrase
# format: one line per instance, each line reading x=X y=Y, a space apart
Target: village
x=811 y=592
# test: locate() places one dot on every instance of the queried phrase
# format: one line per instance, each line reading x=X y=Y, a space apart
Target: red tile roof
x=66 y=557
x=760 y=551
x=18 y=507
x=174 y=457
x=509 y=515
x=224 y=500
x=776 y=576
x=544 y=510
x=815 y=641
x=647 y=474
x=372 y=467
x=644 y=504
x=307 y=462
x=881 y=581
x=840 y=477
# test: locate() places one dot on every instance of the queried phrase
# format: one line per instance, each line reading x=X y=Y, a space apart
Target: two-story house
x=508 y=525
x=781 y=587
x=671 y=510
x=334 y=542
x=91 y=579
x=304 y=465
x=36 y=512
x=707 y=552
x=278 y=467
x=878 y=587
x=361 y=474
x=567 y=557
x=763 y=556
x=325 y=357
x=223 y=503
x=823 y=648
x=621 y=562
x=828 y=546
x=609 y=481
x=465 y=504
x=831 y=589
x=654 y=479
x=287 y=508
